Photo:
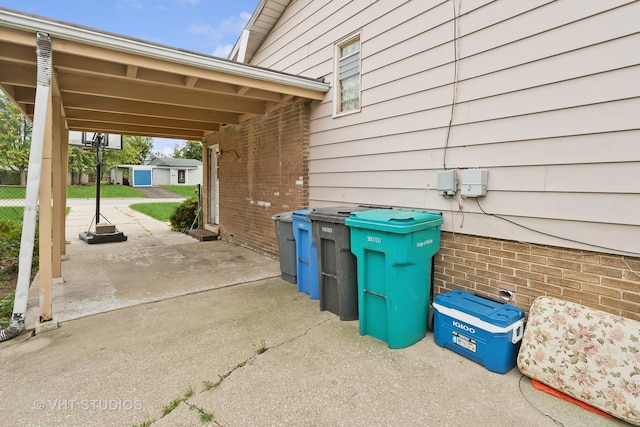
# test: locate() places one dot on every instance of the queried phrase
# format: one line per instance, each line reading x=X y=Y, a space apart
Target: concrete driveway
x=169 y=331
x=158 y=193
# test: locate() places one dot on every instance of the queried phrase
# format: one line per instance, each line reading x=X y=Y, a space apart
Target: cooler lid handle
x=517 y=332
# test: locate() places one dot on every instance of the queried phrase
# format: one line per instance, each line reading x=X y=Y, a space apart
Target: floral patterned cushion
x=585 y=353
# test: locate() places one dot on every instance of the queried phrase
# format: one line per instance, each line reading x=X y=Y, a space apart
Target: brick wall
x=263 y=171
x=483 y=265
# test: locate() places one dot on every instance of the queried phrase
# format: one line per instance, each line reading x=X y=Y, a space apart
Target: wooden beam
x=216 y=87
x=129 y=119
x=190 y=81
x=59 y=188
x=97 y=67
x=132 y=71
x=202 y=72
x=245 y=117
x=10 y=92
x=104 y=87
x=64 y=62
x=45 y=241
x=263 y=95
x=161 y=77
x=123 y=129
x=17 y=53
x=23 y=95
x=63 y=180
x=149 y=109
x=23 y=38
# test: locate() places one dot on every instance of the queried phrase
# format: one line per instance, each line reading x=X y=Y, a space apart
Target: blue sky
x=207 y=26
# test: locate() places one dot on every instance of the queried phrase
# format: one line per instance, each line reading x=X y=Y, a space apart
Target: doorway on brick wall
x=213 y=155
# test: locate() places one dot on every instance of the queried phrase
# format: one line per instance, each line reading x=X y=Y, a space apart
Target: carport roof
x=115 y=84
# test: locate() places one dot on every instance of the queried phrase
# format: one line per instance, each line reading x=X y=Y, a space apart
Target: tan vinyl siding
x=547 y=99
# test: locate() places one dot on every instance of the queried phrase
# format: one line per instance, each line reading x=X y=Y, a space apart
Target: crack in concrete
x=259 y=350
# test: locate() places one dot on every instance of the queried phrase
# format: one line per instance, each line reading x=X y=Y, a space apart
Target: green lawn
x=12 y=192
x=13 y=213
x=106 y=190
x=78 y=192
x=183 y=190
x=159 y=211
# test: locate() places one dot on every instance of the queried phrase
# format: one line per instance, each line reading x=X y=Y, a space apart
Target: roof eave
x=84 y=35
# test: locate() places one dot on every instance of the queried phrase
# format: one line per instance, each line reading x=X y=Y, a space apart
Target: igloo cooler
x=485 y=331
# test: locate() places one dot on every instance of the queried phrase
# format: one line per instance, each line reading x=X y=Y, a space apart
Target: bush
x=184 y=215
x=9 y=177
x=6 y=309
x=10 y=236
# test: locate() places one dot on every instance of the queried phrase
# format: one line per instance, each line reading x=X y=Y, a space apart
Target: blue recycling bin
x=306 y=254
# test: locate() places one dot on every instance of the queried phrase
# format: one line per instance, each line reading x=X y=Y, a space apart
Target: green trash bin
x=394 y=250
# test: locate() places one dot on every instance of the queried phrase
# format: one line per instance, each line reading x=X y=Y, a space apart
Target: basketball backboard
x=85 y=139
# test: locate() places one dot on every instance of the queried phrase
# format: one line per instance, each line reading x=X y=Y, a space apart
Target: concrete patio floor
x=147 y=321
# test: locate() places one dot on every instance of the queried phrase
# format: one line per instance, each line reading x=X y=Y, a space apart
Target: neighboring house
x=170 y=171
x=542 y=96
x=159 y=171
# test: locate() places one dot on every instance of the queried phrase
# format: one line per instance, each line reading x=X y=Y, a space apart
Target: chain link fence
x=12 y=198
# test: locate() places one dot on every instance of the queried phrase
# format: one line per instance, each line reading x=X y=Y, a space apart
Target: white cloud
x=222 y=51
x=234 y=24
x=218 y=35
x=204 y=30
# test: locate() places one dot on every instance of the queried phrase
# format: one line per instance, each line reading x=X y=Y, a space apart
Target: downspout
x=43 y=54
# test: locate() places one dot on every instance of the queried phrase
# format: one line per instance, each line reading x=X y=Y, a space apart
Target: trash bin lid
x=334 y=214
x=301 y=215
x=395 y=220
x=284 y=217
x=489 y=311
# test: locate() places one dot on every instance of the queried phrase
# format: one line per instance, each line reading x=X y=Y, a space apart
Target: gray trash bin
x=286 y=246
x=337 y=266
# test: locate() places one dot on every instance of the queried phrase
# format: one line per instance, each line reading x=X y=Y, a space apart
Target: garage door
x=141 y=178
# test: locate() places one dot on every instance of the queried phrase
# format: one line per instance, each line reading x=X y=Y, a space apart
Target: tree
x=135 y=150
x=81 y=161
x=191 y=150
x=15 y=138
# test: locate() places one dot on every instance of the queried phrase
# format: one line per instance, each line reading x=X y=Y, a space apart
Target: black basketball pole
x=98 y=141
x=100 y=236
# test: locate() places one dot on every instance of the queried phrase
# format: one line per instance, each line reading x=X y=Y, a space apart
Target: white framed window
x=347 y=76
